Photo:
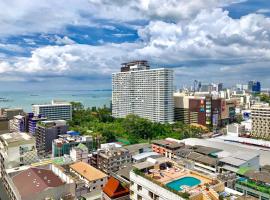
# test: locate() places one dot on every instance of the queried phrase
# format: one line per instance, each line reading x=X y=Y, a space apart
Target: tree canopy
x=99 y=122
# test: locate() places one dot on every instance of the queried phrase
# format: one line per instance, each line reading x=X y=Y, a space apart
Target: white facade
x=235 y=129
x=143 y=189
x=17 y=124
x=54 y=111
x=146 y=93
x=78 y=154
x=17 y=149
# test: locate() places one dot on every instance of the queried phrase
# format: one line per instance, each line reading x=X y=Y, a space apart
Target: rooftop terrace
x=168 y=174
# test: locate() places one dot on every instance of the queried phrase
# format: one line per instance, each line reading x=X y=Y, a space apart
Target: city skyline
x=78 y=45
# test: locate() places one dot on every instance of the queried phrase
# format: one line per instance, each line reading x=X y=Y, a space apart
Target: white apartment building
x=145 y=92
x=18 y=124
x=55 y=111
x=260 y=115
x=17 y=149
x=144 y=189
x=159 y=179
x=79 y=153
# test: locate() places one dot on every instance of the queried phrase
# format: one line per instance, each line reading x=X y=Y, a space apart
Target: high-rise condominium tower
x=142 y=91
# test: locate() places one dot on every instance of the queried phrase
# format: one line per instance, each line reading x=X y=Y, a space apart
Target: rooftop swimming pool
x=185 y=181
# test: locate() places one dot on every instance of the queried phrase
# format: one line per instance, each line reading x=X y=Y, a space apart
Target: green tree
x=76 y=106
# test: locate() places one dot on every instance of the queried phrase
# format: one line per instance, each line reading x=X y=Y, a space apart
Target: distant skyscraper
x=142 y=91
x=55 y=111
x=220 y=87
x=254 y=86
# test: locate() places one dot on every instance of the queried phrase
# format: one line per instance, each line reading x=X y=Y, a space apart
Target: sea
x=25 y=99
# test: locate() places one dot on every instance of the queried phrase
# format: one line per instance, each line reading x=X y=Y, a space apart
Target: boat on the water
x=3 y=99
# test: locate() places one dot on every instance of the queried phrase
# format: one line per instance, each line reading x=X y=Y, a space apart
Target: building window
x=139 y=188
x=156 y=197
x=151 y=194
x=139 y=197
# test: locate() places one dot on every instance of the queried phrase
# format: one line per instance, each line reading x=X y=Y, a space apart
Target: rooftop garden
x=255 y=185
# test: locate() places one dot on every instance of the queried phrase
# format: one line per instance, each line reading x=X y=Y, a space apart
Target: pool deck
x=175 y=173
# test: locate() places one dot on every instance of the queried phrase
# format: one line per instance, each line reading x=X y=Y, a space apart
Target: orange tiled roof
x=87 y=171
x=115 y=189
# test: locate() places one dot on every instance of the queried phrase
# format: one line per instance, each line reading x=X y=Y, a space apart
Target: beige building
x=181 y=107
x=260 y=115
x=9 y=113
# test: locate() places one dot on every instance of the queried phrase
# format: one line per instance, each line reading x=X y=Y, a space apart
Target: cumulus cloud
x=174 y=10
x=28 y=16
x=189 y=34
x=75 y=60
x=211 y=37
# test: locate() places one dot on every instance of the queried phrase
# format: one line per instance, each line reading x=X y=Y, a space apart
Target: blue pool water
x=188 y=181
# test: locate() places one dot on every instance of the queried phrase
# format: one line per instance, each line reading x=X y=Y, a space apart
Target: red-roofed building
x=38 y=184
x=114 y=189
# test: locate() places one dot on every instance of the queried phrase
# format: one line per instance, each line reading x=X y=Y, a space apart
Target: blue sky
x=68 y=44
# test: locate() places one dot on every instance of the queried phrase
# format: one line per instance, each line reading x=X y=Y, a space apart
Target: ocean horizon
x=25 y=99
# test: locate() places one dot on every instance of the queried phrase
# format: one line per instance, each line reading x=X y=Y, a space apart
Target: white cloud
x=27 y=16
x=210 y=37
x=52 y=16
x=70 y=60
x=190 y=33
x=155 y=9
x=63 y=41
x=263 y=11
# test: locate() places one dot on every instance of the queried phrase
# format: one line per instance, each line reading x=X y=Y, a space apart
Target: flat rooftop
x=164 y=171
x=135 y=148
x=231 y=147
x=168 y=144
x=35 y=180
x=87 y=171
x=14 y=138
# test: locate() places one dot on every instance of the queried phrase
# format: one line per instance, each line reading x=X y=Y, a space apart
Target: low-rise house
x=37 y=184
x=79 y=153
x=167 y=148
x=93 y=178
x=115 y=190
x=238 y=160
x=135 y=149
